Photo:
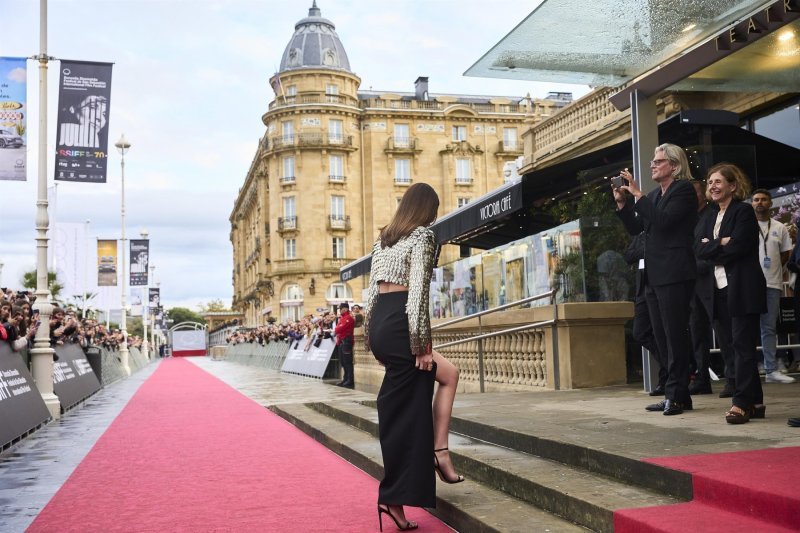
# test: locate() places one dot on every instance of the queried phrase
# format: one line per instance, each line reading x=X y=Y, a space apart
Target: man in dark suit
x=667 y=215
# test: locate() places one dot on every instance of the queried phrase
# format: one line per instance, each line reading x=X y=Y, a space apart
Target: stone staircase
x=515 y=481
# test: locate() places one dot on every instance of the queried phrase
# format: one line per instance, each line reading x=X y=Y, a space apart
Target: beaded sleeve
x=372 y=294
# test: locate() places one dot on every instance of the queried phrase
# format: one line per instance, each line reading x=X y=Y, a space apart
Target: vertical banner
x=13 y=79
x=154 y=298
x=140 y=250
x=82 y=134
x=106 y=263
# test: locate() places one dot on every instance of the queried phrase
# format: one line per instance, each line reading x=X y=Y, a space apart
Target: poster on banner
x=140 y=251
x=82 y=133
x=13 y=81
x=154 y=297
x=106 y=263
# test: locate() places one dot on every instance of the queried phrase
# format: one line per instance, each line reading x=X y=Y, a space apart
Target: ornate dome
x=314 y=44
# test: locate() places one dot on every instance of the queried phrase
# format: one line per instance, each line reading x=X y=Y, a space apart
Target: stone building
x=334 y=162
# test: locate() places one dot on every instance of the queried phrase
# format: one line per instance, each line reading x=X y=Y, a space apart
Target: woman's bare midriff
x=385 y=286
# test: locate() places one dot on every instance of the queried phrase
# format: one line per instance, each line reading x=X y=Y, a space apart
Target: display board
x=188 y=342
x=21 y=406
x=307 y=359
x=73 y=377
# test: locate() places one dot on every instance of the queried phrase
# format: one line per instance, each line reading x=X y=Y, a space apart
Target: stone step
x=577 y=494
x=468 y=506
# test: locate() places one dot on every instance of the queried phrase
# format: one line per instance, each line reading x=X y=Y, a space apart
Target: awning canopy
x=506 y=214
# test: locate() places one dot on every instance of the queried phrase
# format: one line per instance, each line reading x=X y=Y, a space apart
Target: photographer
x=667 y=216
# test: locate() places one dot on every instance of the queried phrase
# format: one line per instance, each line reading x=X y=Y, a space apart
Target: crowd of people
x=705 y=258
x=19 y=323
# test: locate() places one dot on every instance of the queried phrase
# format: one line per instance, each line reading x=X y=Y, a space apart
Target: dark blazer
x=747 y=288
x=705 y=282
x=668 y=222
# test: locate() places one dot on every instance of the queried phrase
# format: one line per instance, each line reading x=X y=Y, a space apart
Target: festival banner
x=82 y=134
x=154 y=298
x=140 y=250
x=13 y=81
x=106 y=263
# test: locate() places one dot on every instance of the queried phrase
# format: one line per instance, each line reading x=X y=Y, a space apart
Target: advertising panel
x=13 y=111
x=106 y=263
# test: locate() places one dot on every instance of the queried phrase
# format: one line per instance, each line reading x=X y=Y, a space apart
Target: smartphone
x=617 y=182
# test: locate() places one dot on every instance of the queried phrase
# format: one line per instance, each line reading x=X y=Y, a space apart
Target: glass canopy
x=607 y=42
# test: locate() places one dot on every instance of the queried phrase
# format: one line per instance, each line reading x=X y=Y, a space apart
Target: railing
x=334 y=263
x=432 y=105
x=510 y=146
x=339 y=222
x=480 y=337
x=335 y=178
x=285 y=266
x=286 y=180
x=402 y=181
x=401 y=143
x=280 y=101
x=218 y=337
x=312 y=140
x=463 y=181
x=287 y=223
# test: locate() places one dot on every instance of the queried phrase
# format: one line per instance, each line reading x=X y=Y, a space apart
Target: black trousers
x=744 y=334
x=700 y=329
x=668 y=306
x=346 y=357
x=405 y=415
x=643 y=334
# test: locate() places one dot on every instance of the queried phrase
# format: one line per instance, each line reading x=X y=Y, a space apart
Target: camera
x=617 y=182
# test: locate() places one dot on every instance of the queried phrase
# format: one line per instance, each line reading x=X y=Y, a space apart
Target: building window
x=338 y=247
x=510 y=138
x=287 y=131
x=459 y=133
x=402 y=171
x=335 y=131
x=463 y=171
x=291 y=90
x=337 y=207
x=289 y=207
x=288 y=169
x=339 y=292
x=401 y=139
x=462 y=202
x=290 y=248
x=292 y=302
x=336 y=168
x=331 y=89
x=782 y=125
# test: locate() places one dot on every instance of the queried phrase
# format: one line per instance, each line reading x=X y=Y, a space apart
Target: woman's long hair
x=417 y=208
x=732 y=174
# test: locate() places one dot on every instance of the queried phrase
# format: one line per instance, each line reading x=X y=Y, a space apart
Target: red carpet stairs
x=520 y=482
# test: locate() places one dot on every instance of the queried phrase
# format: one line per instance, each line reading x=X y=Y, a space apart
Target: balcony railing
x=334 y=263
x=334 y=178
x=463 y=181
x=287 y=223
x=401 y=144
x=312 y=140
x=341 y=222
x=402 y=180
x=288 y=266
x=285 y=180
x=510 y=146
x=311 y=99
x=432 y=105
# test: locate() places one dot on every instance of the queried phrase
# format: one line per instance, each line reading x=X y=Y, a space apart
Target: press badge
x=767 y=261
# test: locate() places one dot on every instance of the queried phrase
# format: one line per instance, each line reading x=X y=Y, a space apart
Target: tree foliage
x=214 y=306
x=29 y=282
x=182 y=314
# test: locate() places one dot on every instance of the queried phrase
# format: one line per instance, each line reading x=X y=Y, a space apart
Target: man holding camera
x=667 y=215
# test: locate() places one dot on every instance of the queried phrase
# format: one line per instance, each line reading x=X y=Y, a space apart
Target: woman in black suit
x=730 y=242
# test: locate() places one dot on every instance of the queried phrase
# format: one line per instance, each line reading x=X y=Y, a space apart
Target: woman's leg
x=447 y=377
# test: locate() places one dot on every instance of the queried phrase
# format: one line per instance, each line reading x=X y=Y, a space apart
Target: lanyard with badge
x=767 y=260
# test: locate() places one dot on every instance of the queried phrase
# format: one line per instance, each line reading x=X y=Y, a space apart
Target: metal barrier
x=217 y=338
x=480 y=336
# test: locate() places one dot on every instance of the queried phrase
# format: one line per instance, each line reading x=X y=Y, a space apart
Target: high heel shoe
x=409 y=525
x=439 y=470
x=758 y=411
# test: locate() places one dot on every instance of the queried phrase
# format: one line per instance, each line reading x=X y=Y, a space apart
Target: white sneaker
x=781 y=366
x=777 y=377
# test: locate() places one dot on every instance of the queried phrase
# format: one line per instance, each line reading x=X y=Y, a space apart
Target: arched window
x=291 y=302
x=338 y=293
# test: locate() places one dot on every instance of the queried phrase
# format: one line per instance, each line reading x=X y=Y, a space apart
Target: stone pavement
x=610 y=419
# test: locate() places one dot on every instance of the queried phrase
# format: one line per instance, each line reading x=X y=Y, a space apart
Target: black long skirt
x=405 y=416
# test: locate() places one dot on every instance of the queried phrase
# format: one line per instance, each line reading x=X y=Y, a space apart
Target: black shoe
x=339 y=384
x=794 y=422
x=700 y=388
x=658 y=391
x=671 y=407
x=727 y=392
x=663 y=405
x=656 y=406
x=346 y=384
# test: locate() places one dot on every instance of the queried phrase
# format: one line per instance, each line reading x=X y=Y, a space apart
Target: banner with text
x=154 y=299
x=21 y=406
x=106 y=263
x=82 y=134
x=13 y=81
x=140 y=251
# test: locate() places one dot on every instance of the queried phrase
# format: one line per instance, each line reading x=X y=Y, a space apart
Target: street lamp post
x=42 y=352
x=145 y=301
x=123 y=146
x=85 y=270
x=151 y=280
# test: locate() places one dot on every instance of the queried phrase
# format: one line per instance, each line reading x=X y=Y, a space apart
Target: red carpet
x=753 y=491
x=189 y=453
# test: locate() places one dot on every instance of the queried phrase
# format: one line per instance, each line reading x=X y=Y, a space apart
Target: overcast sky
x=190 y=84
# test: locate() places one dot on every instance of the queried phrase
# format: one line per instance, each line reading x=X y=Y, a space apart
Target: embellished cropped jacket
x=409 y=262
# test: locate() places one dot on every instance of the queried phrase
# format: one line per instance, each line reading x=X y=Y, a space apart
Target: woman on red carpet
x=730 y=242
x=397 y=330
